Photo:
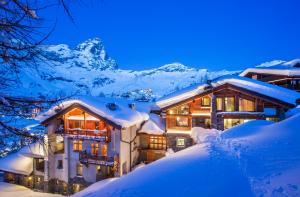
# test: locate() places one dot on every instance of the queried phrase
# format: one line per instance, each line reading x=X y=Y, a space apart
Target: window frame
x=202 y=102
x=180 y=145
x=95 y=149
x=233 y=103
x=221 y=104
x=184 y=126
x=77 y=145
x=157 y=142
x=79 y=167
x=60 y=164
x=247 y=100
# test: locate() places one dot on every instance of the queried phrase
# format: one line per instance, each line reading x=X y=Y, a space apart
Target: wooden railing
x=88 y=158
x=89 y=133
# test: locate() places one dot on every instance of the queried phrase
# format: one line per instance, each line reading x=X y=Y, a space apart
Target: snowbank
x=11 y=190
x=258 y=158
x=269 y=154
x=201 y=135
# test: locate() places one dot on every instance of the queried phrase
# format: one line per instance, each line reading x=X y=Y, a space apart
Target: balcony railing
x=87 y=158
x=89 y=133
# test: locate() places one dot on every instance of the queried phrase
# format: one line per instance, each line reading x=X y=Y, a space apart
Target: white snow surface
x=276 y=67
x=11 y=190
x=202 y=135
x=88 y=70
x=21 y=162
x=122 y=115
x=273 y=91
x=151 y=127
x=258 y=158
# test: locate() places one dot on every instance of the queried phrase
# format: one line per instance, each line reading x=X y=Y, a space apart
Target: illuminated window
x=95 y=148
x=76 y=124
x=219 y=104
x=79 y=169
x=228 y=123
x=104 y=150
x=77 y=145
x=274 y=119
x=205 y=102
x=157 y=142
x=182 y=121
x=229 y=103
x=98 y=169
x=180 y=142
x=183 y=110
x=246 y=105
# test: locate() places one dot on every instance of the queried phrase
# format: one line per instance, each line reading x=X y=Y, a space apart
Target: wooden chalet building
x=88 y=139
x=286 y=75
x=221 y=104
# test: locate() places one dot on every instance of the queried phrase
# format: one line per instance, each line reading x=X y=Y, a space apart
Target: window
x=246 y=105
x=205 y=102
x=274 y=119
x=104 y=150
x=77 y=145
x=79 y=169
x=229 y=103
x=95 y=148
x=228 y=123
x=60 y=164
x=157 y=142
x=201 y=122
x=39 y=165
x=180 y=142
x=98 y=168
x=182 y=121
x=219 y=104
x=183 y=110
x=76 y=124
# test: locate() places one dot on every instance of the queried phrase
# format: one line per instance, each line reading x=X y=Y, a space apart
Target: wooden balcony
x=87 y=158
x=95 y=134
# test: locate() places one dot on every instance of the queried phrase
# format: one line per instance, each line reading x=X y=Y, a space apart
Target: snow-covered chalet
x=221 y=104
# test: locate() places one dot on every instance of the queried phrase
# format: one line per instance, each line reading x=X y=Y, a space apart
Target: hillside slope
x=87 y=69
x=258 y=158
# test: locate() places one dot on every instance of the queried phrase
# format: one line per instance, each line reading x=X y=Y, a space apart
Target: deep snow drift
x=258 y=158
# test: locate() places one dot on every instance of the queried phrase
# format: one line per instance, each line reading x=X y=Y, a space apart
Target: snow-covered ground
x=258 y=158
x=11 y=190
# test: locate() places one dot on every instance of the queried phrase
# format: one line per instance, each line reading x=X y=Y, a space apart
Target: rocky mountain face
x=88 y=69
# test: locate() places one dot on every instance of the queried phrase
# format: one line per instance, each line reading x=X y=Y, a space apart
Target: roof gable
x=271 y=92
x=121 y=117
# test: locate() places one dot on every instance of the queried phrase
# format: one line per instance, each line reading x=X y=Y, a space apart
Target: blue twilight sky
x=213 y=34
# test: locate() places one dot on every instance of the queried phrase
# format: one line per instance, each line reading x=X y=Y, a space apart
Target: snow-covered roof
x=151 y=128
x=21 y=162
x=36 y=150
x=269 y=90
x=123 y=115
x=278 y=68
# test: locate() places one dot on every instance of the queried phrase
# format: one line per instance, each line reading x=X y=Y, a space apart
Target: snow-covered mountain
x=88 y=69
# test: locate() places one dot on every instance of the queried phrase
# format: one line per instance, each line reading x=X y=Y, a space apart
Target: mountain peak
x=93 y=50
